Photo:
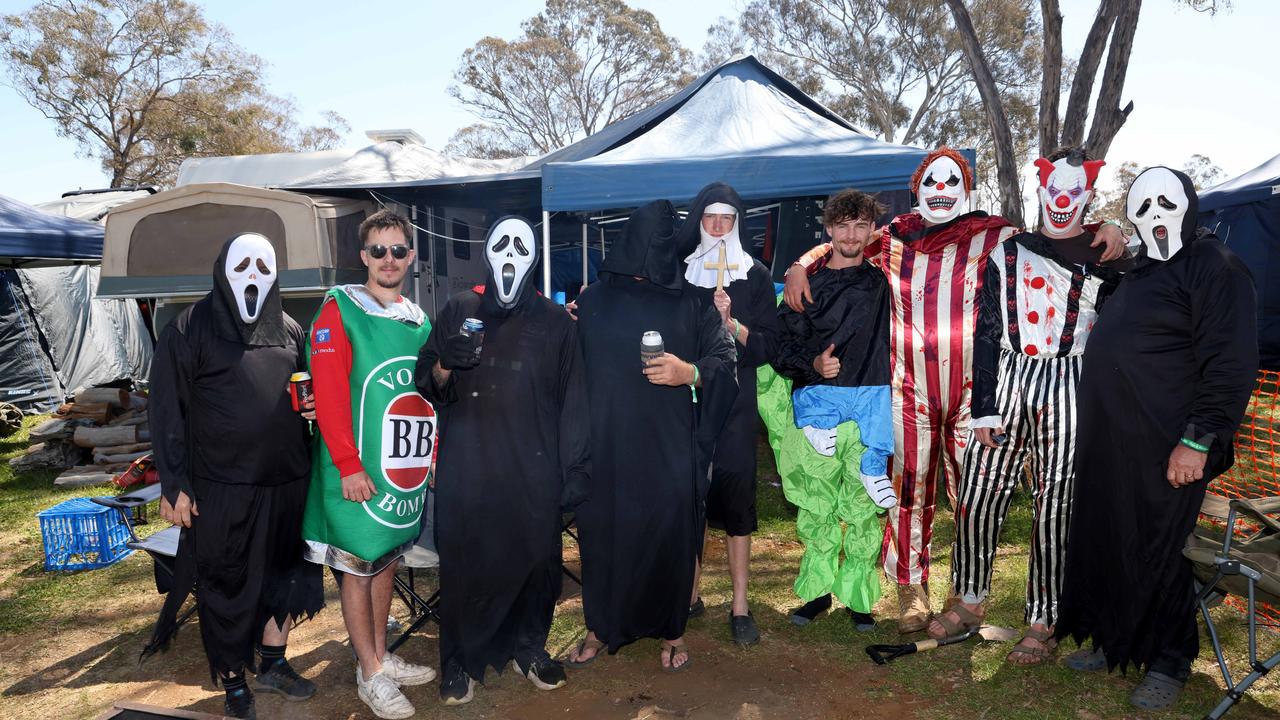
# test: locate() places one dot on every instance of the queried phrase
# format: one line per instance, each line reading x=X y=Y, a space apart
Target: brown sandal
x=968 y=621
x=1038 y=653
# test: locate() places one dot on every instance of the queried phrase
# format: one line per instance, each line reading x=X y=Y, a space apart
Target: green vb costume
x=836 y=520
x=395 y=431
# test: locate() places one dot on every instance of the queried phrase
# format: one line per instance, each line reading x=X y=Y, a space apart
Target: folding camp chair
x=161 y=546
x=1245 y=565
x=423 y=556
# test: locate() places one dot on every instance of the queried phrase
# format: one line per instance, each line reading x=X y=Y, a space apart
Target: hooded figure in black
x=742 y=293
x=1167 y=375
x=653 y=430
x=219 y=385
x=513 y=452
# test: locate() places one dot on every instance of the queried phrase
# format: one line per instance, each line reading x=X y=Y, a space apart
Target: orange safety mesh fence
x=1256 y=472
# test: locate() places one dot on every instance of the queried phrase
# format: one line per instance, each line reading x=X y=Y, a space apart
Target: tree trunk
x=1051 y=79
x=1006 y=161
x=1107 y=115
x=1086 y=70
x=115 y=397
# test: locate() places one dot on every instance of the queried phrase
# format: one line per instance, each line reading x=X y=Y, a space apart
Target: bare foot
x=586 y=650
x=677 y=659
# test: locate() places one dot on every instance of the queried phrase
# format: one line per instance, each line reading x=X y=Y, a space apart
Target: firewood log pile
x=93 y=439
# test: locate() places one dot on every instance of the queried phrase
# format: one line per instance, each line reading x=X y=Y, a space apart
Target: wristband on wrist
x=1194 y=445
x=736 y=328
x=1113 y=222
x=693 y=386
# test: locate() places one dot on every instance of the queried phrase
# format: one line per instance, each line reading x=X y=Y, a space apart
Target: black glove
x=459 y=353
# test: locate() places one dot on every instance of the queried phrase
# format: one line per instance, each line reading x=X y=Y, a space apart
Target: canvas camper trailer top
x=164 y=246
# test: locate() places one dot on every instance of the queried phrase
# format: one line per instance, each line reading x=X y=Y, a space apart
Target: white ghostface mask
x=1066 y=188
x=1156 y=204
x=942 y=195
x=512 y=252
x=251 y=271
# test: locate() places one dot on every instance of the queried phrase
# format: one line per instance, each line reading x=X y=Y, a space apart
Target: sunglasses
x=377 y=252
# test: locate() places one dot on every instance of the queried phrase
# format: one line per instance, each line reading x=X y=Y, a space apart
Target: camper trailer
x=164 y=246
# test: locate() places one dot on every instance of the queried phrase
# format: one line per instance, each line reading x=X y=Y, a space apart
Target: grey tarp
x=56 y=339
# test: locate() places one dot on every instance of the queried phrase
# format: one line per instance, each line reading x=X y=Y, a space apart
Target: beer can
x=474 y=329
x=299 y=389
x=651 y=347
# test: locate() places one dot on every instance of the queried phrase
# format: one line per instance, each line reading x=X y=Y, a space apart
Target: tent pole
x=601 y=243
x=546 y=254
x=584 y=254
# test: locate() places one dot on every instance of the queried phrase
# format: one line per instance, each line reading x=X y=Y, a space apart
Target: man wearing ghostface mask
x=1167 y=376
x=219 y=385
x=1038 y=304
x=373 y=460
x=935 y=260
x=513 y=455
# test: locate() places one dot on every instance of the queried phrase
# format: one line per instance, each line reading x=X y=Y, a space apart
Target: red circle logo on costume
x=408 y=440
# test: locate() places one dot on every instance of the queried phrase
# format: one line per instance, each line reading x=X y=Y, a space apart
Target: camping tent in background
x=54 y=337
x=93 y=205
x=30 y=238
x=1245 y=213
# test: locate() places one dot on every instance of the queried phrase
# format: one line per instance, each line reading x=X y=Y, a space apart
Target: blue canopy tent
x=1245 y=213
x=30 y=237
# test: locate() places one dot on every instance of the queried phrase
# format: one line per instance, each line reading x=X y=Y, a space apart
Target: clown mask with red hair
x=1066 y=188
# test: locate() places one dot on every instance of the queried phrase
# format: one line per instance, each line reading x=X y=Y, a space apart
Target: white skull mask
x=942 y=195
x=512 y=252
x=1065 y=190
x=251 y=271
x=1156 y=205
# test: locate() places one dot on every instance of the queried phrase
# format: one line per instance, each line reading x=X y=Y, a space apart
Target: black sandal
x=586 y=644
x=671 y=651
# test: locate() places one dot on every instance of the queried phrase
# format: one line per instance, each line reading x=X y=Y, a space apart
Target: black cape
x=651 y=445
x=513 y=444
x=850 y=310
x=754 y=304
x=215 y=395
x=1174 y=354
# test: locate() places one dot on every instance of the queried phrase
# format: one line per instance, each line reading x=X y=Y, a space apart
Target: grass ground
x=69 y=643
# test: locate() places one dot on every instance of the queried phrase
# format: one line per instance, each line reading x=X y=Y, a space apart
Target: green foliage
x=141 y=85
x=578 y=66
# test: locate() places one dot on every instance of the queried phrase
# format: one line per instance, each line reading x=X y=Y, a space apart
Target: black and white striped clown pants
x=1036 y=399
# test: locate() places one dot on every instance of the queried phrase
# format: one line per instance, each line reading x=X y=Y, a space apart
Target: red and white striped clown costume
x=935 y=273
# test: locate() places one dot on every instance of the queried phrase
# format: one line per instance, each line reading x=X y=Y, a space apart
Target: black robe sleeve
x=986 y=343
x=763 y=330
x=1225 y=343
x=575 y=417
x=718 y=372
x=796 y=347
x=172 y=369
x=439 y=395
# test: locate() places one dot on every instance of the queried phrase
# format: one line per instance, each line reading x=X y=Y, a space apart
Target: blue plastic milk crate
x=80 y=534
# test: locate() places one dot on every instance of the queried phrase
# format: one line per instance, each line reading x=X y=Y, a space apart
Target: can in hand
x=299 y=389
x=473 y=329
x=651 y=347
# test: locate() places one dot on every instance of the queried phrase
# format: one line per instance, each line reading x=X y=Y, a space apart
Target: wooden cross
x=721 y=267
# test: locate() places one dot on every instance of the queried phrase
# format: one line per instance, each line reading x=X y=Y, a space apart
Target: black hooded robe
x=218 y=388
x=513 y=442
x=1174 y=354
x=641 y=526
x=731 y=500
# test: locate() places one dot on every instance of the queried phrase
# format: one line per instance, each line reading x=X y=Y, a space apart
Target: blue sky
x=1200 y=84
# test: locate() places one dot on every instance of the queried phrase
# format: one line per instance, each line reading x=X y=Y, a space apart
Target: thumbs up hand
x=826 y=365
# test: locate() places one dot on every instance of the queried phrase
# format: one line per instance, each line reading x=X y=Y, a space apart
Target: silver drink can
x=650 y=347
x=474 y=329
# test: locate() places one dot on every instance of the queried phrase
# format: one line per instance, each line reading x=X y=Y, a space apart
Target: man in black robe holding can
x=1166 y=378
x=653 y=429
x=512 y=454
x=219 y=386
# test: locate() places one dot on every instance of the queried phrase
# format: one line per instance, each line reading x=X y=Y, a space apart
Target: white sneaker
x=403 y=672
x=383 y=697
x=880 y=490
